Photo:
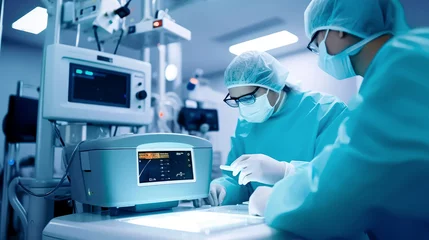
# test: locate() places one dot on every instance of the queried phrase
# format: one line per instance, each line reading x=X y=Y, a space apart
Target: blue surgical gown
x=375 y=177
x=299 y=130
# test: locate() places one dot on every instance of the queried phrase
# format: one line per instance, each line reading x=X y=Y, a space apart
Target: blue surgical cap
x=362 y=18
x=255 y=68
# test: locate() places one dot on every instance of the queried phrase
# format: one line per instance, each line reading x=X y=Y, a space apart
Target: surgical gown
x=375 y=178
x=302 y=127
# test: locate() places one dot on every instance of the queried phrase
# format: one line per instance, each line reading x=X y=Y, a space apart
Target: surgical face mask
x=259 y=111
x=340 y=66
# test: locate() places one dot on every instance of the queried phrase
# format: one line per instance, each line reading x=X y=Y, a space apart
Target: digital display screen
x=99 y=86
x=164 y=166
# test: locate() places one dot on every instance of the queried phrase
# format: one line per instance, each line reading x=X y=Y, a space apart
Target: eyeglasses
x=312 y=46
x=246 y=99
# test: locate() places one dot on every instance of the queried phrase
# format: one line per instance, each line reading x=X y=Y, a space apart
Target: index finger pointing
x=240 y=159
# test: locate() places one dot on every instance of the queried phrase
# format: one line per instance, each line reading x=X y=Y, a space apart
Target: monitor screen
x=99 y=86
x=164 y=166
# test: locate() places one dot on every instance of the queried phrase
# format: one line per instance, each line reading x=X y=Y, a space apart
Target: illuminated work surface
x=227 y=222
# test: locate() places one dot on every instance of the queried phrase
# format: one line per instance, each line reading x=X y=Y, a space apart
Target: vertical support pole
x=145 y=51
x=145 y=54
x=147 y=10
x=162 y=65
x=40 y=210
x=7 y=170
x=155 y=7
x=45 y=136
x=147 y=14
x=19 y=88
x=16 y=147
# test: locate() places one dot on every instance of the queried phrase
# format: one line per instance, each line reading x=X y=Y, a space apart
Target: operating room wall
x=305 y=72
x=18 y=62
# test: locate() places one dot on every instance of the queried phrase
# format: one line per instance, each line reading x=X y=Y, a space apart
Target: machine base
x=144 y=208
x=226 y=222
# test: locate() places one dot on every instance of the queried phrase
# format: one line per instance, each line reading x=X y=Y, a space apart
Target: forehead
x=240 y=91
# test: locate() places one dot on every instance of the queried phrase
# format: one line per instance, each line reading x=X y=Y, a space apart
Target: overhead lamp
x=171 y=72
x=33 y=22
x=265 y=43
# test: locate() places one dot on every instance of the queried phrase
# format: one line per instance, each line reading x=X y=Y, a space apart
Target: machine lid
x=134 y=140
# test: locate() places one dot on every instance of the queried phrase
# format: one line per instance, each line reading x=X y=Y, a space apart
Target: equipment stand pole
x=40 y=210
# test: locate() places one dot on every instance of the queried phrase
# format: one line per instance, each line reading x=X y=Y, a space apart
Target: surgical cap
x=255 y=68
x=362 y=18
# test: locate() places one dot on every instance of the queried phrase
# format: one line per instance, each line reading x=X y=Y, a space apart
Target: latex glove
x=260 y=168
x=216 y=196
x=258 y=201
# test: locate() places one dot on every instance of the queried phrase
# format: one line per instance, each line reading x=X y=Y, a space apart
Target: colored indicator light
x=157 y=24
x=161 y=114
x=11 y=162
x=194 y=81
x=78 y=71
x=89 y=73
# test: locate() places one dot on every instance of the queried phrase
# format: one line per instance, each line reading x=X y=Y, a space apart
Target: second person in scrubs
x=277 y=125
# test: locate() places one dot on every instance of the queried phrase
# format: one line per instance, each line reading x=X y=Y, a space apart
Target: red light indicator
x=157 y=24
x=194 y=81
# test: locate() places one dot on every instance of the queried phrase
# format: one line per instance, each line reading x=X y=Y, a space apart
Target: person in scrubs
x=277 y=124
x=373 y=181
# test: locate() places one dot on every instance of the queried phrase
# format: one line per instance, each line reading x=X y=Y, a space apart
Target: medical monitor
x=82 y=85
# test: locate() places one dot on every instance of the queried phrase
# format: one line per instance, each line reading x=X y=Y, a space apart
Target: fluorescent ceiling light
x=33 y=22
x=265 y=43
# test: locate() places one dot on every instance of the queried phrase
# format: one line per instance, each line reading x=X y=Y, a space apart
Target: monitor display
x=164 y=166
x=98 y=86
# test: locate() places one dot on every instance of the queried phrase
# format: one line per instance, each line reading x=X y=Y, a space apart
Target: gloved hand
x=260 y=168
x=200 y=202
x=258 y=201
x=216 y=196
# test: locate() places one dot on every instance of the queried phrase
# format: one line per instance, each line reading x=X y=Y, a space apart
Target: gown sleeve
x=235 y=193
x=332 y=115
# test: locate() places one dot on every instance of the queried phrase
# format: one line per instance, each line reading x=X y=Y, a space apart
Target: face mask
x=340 y=66
x=259 y=111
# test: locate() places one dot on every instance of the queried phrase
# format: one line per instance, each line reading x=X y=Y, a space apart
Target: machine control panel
x=158 y=167
x=141 y=95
